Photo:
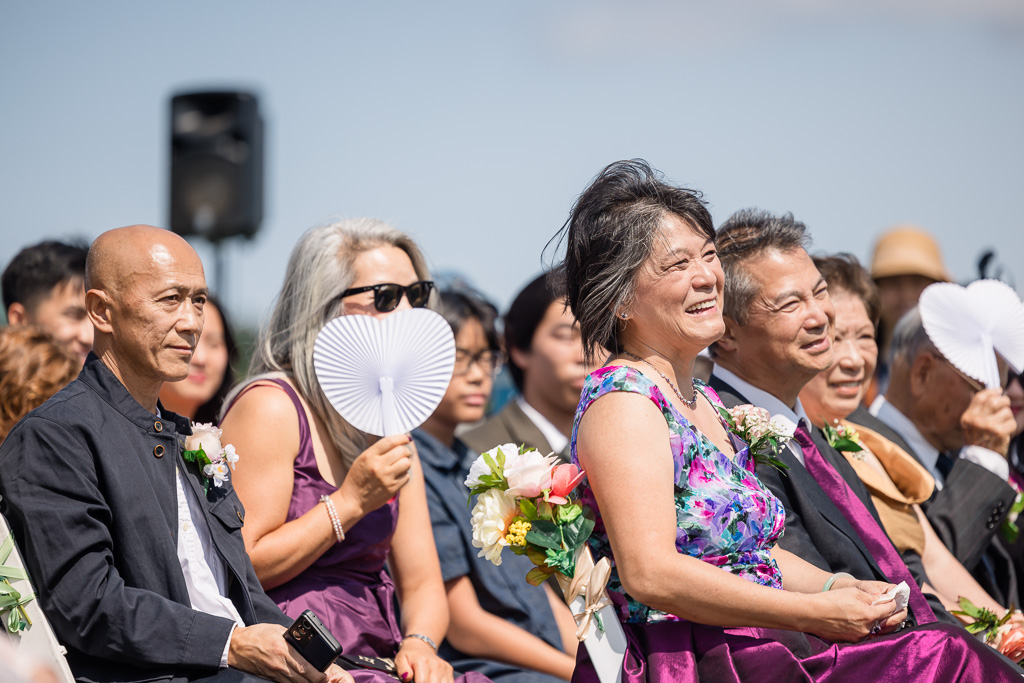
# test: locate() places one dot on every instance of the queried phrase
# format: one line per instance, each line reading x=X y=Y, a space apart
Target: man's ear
x=728 y=341
x=98 y=308
x=519 y=357
x=16 y=314
x=921 y=373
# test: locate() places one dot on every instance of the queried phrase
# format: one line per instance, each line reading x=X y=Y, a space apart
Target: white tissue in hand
x=900 y=594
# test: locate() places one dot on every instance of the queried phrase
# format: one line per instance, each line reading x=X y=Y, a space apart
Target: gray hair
x=319 y=270
x=909 y=338
x=746 y=235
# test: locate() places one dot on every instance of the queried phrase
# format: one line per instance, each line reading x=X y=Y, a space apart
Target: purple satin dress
x=727 y=518
x=347 y=586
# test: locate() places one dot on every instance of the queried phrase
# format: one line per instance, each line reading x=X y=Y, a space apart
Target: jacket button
x=158 y=426
x=158 y=451
x=240 y=517
x=991 y=524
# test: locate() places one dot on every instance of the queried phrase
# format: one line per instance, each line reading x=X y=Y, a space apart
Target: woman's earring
x=624 y=316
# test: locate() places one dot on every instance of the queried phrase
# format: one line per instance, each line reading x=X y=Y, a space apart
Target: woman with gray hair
x=701 y=587
x=327 y=506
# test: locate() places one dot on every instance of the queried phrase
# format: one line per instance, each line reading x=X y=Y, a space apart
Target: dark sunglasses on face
x=387 y=296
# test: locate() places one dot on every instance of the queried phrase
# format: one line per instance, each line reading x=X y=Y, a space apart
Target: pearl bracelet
x=426 y=639
x=339 y=532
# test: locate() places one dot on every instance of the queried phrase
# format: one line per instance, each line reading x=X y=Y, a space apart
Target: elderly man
x=960 y=432
x=778 y=319
x=140 y=567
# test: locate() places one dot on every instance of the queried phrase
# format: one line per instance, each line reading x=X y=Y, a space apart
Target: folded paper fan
x=971 y=325
x=385 y=376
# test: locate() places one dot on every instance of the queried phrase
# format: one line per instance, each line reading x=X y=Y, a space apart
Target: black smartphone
x=313 y=641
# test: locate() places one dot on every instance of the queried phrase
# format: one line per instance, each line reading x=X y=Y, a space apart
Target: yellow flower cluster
x=517 y=531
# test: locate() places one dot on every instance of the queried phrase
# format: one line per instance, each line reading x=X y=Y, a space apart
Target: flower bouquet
x=525 y=503
x=844 y=438
x=765 y=437
x=1005 y=634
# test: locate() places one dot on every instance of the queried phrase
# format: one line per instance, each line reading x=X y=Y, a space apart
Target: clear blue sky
x=474 y=125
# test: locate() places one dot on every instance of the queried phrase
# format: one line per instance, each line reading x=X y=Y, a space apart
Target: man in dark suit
x=140 y=568
x=546 y=362
x=960 y=432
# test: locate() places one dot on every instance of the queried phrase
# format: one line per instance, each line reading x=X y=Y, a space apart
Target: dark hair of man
x=746 y=236
x=524 y=316
x=843 y=272
x=610 y=234
x=210 y=411
x=460 y=306
x=37 y=270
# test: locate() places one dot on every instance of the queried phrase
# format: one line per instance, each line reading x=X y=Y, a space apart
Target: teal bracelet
x=832 y=580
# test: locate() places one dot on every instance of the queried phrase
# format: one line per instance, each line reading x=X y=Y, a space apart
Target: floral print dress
x=724 y=515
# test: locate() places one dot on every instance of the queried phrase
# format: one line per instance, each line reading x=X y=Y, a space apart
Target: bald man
x=141 y=572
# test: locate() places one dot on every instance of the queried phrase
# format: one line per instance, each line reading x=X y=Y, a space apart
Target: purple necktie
x=856 y=513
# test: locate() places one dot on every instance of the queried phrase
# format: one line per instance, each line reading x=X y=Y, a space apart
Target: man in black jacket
x=778 y=337
x=139 y=564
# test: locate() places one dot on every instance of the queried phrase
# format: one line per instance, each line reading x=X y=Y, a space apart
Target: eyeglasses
x=487 y=360
x=387 y=296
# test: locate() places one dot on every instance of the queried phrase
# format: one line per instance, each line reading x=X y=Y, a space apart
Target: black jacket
x=88 y=489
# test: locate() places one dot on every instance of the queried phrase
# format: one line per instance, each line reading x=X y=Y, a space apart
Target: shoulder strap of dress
x=300 y=410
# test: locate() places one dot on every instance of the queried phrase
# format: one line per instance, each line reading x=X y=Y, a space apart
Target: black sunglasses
x=387 y=296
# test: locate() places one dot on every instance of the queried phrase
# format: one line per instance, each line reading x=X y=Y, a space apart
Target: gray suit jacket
x=509 y=425
x=88 y=488
x=966 y=515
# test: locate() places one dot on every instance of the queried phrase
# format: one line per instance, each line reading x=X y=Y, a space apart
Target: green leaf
x=567 y=513
x=577 y=532
x=976 y=627
x=528 y=509
x=562 y=560
x=537 y=576
x=497 y=468
x=847 y=445
x=545 y=534
x=970 y=609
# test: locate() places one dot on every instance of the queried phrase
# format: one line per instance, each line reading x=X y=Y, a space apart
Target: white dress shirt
x=206 y=577
x=928 y=454
x=762 y=399
x=555 y=438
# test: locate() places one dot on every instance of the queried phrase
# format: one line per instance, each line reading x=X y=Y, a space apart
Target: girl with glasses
x=500 y=626
x=328 y=505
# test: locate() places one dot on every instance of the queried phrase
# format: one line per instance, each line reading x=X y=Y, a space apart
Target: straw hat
x=908 y=250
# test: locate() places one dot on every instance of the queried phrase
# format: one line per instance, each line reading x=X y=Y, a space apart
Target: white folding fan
x=970 y=325
x=385 y=376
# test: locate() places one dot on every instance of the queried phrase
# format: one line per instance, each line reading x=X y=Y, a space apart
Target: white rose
x=492 y=513
x=528 y=473
x=480 y=468
x=204 y=435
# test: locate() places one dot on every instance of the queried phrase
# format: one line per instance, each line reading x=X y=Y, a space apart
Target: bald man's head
x=145 y=295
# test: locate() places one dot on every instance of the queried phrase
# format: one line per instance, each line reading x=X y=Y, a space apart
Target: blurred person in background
x=199 y=396
x=906 y=260
x=898 y=484
x=33 y=368
x=329 y=505
x=545 y=358
x=500 y=626
x=44 y=285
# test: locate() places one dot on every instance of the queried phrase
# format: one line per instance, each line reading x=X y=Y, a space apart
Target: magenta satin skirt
x=684 y=651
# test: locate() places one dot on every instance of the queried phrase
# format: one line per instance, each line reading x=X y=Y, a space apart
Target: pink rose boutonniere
x=765 y=437
x=204 y=448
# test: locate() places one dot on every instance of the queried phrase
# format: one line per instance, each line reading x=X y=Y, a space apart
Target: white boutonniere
x=204 y=448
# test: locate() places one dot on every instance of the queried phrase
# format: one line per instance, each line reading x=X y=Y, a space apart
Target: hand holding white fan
x=971 y=325
x=385 y=376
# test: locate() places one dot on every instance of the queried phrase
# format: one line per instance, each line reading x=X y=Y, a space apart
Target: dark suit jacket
x=966 y=514
x=509 y=425
x=88 y=488
x=816 y=529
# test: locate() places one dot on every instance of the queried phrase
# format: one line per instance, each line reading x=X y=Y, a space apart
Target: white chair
x=37 y=642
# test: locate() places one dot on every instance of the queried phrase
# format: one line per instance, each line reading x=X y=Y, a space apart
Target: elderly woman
x=327 y=505
x=700 y=584
x=896 y=481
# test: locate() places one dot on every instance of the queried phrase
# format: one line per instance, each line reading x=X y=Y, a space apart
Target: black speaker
x=216 y=164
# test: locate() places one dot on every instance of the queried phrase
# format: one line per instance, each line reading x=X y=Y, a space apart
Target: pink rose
x=563 y=479
x=1012 y=644
x=528 y=474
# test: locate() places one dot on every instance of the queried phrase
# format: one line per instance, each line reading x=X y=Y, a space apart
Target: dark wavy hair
x=210 y=411
x=609 y=235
